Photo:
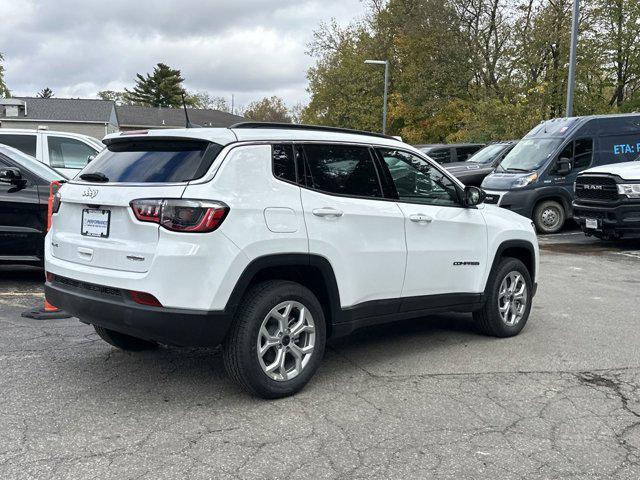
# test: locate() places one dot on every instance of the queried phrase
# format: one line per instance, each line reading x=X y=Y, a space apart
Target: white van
x=68 y=153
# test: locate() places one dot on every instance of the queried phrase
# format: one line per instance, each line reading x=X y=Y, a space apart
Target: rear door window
x=343 y=170
x=24 y=143
x=154 y=161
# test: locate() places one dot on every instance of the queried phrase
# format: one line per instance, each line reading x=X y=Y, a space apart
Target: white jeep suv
x=269 y=239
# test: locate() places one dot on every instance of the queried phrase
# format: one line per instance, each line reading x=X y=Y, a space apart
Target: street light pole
x=572 y=57
x=386 y=90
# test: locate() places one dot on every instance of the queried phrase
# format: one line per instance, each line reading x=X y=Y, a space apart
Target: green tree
x=269 y=109
x=45 y=93
x=120 y=98
x=4 y=91
x=206 y=100
x=619 y=39
x=161 y=88
x=471 y=70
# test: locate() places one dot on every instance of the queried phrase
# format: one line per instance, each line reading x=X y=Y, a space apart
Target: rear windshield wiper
x=94 y=177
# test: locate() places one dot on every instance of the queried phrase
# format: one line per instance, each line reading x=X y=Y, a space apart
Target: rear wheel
x=277 y=340
x=508 y=300
x=549 y=216
x=122 y=341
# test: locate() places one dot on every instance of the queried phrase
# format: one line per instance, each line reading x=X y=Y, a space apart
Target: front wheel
x=508 y=300
x=277 y=340
x=549 y=216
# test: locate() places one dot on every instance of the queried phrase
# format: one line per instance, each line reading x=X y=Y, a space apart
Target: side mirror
x=563 y=167
x=90 y=158
x=10 y=175
x=473 y=196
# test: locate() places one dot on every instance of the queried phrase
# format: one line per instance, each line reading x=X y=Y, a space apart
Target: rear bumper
x=615 y=221
x=113 y=309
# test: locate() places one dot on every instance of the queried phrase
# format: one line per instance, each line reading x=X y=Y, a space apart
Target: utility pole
x=572 y=57
x=386 y=90
x=232 y=99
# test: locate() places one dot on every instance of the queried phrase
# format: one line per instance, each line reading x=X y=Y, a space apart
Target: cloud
x=250 y=48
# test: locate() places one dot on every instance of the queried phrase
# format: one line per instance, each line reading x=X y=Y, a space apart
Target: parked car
x=536 y=178
x=607 y=203
x=24 y=194
x=481 y=163
x=451 y=153
x=66 y=152
x=270 y=238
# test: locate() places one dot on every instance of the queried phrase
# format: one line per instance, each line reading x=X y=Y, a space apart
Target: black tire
x=124 y=342
x=240 y=355
x=549 y=216
x=488 y=319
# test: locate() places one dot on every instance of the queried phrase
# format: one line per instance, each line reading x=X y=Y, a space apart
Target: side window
x=582 y=153
x=68 y=152
x=417 y=181
x=342 y=169
x=284 y=166
x=464 y=153
x=24 y=143
x=441 y=155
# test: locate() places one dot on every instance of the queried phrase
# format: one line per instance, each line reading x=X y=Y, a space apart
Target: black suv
x=24 y=194
x=481 y=164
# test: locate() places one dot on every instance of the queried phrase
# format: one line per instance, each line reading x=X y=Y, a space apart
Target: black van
x=536 y=178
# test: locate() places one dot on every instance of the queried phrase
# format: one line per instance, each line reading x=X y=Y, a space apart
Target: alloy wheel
x=512 y=298
x=286 y=340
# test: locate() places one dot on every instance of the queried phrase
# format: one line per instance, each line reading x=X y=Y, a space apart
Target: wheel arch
x=522 y=250
x=313 y=271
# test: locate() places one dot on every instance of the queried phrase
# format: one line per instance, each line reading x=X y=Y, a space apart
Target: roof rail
x=295 y=126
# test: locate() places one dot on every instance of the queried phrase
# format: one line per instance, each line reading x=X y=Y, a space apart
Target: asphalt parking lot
x=419 y=399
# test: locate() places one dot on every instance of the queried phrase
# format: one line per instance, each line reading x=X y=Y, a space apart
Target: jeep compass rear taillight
x=199 y=216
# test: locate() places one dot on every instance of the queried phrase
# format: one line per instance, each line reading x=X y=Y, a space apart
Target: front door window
x=417 y=181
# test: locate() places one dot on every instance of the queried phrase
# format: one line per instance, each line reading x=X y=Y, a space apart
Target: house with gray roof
x=131 y=117
x=96 y=118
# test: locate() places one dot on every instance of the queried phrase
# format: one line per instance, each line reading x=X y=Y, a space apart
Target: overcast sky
x=251 y=48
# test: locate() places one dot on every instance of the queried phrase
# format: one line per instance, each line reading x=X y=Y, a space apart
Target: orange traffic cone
x=49 y=311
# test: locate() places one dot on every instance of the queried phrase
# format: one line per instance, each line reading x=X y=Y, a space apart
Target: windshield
x=487 y=154
x=152 y=161
x=34 y=166
x=530 y=154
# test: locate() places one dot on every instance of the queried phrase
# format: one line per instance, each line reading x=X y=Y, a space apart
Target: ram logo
x=592 y=187
x=466 y=264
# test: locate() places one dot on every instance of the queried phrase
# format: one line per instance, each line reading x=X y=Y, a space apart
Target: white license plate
x=591 y=223
x=95 y=223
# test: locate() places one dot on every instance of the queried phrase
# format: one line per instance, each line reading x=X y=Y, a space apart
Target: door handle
x=327 y=212
x=420 y=218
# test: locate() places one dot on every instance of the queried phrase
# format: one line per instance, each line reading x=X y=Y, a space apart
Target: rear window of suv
x=154 y=161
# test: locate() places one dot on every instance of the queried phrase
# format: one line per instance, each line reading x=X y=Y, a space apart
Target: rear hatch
x=96 y=225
